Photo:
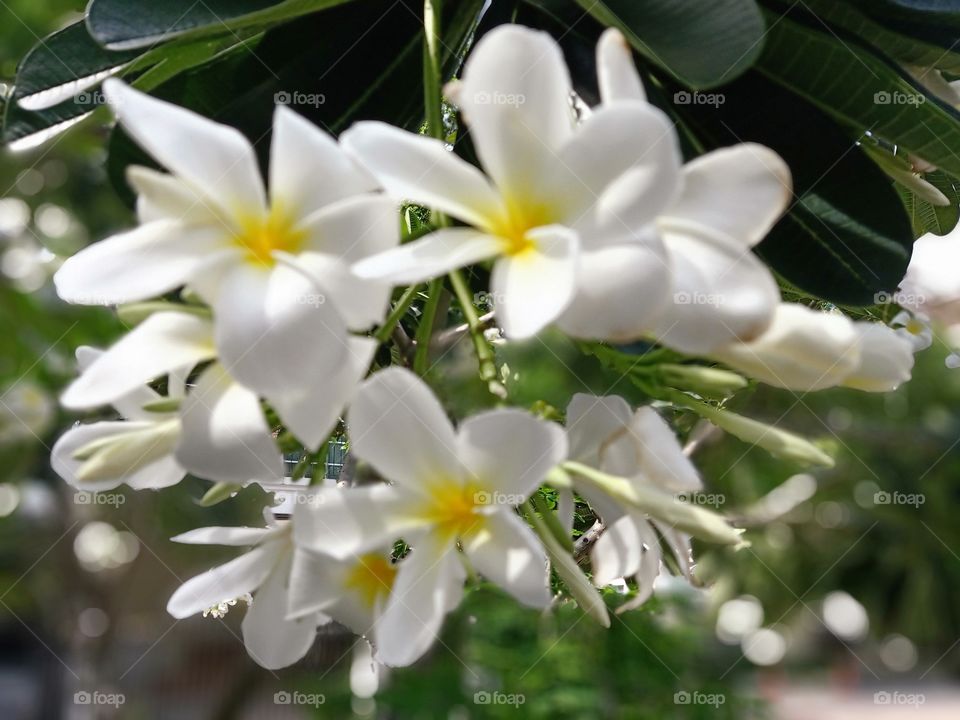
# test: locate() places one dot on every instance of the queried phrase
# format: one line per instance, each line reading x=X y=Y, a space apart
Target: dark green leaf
x=703 y=44
x=928 y=218
x=859 y=87
x=124 y=24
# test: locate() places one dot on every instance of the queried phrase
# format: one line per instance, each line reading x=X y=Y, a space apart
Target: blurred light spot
x=898 y=653
x=840 y=418
x=93 y=622
x=55 y=171
x=864 y=492
x=30 y=181
x=831 y=514
x=37 y=501
x=363 y=706
x=764 y=647
x=938 y=419
x=52 y=220
x=737 y=618
x=778 y=535
x=844 y=616
x=786 y=497
x=98 y=546
x=14 y=216
x=9 y=499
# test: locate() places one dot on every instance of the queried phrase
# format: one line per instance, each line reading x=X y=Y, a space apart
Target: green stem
x=403 y=304
x=485 y=357
x=425 y=328
x=552 y=522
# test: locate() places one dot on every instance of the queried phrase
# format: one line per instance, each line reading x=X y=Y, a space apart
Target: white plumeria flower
x=806 y=349
x=449 y=488
x=272 y=639
x=886 y=359
x=913 y=327
x=727 y=202
x=803 y=349
x=137 y=450
x=225 y=436
x=932 y=285
x=556 y=199
x=276 y=273
x=606 y=434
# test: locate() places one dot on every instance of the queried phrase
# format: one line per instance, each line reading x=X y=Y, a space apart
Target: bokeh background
x=846 y=605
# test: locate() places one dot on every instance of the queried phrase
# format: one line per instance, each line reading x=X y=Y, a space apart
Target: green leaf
x=928 y=218
x=702 y=44
x=58 y=81
x=913 y=46
x=859 y=87
x=125 y=24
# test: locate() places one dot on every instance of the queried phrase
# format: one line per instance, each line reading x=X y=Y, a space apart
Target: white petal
x=225 y=582
x=510 y=451
x=422 y=170
x=617 y=75
x=272 y=640
x=130 y=405
x=315 y=584
x=508 y=553
x=312 y=414
x=142 y=263
x=515 y=98
x=619 y=550
x=721 y=292
x=621 y=291
x=214 y=159
x=359 y=301
x=429 y=584
x=354 y=228
x=532 y=289
x=886 y=359
x=931 y=283
x=592 y=421
x=161 y=196
x=430 y=256
x=273 y=333
x=739 y=191
x=398 y=426
x=620 y=171
x=308 y=170
x=225 y=436
x=661 y=458
x=234 y=536
x=345 y=522
x=162 y=343
x=155 y=473
x=803 y=350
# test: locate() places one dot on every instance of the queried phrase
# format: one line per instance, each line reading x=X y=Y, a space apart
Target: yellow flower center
x=260 y=236
x=371 y=576
x=915 y=327
x=454 y=508
x=521 y=217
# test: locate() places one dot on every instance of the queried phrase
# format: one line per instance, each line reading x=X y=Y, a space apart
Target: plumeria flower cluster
x=255 y=306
